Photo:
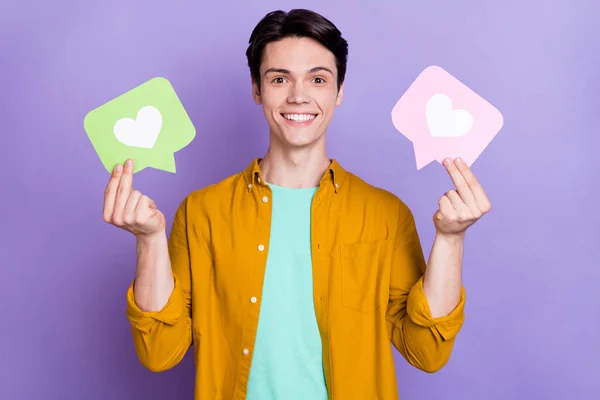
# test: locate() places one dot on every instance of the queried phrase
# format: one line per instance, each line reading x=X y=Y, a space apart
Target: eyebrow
x=287 y=71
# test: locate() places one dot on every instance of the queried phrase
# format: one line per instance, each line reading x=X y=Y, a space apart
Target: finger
x=462 y=210
x=132 y=203
x=110 y=193
x=457 y=202
x=144 y=204
x=446 y=206
x=461 y=183
x=481 y=199
x=124 y=189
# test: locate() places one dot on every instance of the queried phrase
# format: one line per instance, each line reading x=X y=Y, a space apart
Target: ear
x=340 y=95
x=256 y=92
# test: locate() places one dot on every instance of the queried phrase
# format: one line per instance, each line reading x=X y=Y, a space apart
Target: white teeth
x=299 y=117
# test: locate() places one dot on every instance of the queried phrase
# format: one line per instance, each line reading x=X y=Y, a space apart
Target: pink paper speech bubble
x=444 y=118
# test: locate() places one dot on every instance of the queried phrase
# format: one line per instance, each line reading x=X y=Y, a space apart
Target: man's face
x=298 y=90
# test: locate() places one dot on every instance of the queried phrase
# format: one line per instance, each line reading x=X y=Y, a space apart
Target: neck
x=295 y=168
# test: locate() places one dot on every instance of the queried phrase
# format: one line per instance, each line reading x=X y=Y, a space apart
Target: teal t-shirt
x=288 y=363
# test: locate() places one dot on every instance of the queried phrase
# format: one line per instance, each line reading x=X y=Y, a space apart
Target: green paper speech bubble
x=147 y=124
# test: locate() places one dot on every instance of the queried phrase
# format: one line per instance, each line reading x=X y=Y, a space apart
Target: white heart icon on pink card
x=443 y=121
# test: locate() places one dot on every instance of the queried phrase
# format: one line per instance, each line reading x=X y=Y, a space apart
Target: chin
x=300 y=140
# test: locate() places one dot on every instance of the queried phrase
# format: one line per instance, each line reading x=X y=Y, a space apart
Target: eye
x=319 y=80
x=279 y=79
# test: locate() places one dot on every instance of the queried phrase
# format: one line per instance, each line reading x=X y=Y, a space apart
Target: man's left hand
x=460 y=208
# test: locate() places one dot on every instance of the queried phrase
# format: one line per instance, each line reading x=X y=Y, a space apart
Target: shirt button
x=250 y=186
x=253 y=299
x=246 y=351
x=261 y=247
x=319 y=198
x=337 y=186
x=265 y=199
x=258 y=179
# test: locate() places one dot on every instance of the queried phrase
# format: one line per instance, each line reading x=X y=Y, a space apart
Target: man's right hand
x=130 y=209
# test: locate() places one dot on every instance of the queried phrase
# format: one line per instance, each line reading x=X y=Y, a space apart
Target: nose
x=298 y=94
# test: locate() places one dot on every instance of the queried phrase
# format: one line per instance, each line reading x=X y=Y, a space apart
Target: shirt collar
x=334 y=175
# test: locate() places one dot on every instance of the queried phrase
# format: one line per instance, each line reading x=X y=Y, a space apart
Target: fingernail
x=118 y=168
x=128 y=163
x=459 y=161
x=447 y=161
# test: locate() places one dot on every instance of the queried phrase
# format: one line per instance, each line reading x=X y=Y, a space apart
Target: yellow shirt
x=367 y=263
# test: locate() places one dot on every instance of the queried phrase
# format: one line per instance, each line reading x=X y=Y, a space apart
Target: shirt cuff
x=169 y=314
x=418 y=310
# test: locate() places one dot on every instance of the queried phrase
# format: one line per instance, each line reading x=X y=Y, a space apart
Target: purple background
x=531 y=265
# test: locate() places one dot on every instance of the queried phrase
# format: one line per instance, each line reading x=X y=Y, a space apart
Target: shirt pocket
x=362 y=267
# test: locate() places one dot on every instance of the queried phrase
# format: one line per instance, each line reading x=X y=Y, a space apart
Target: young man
x=291 y=278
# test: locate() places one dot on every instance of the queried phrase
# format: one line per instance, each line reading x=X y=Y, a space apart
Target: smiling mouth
x=299 y=118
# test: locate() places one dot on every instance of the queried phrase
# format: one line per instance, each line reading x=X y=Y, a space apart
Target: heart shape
x=142 y=131
x=443 y=121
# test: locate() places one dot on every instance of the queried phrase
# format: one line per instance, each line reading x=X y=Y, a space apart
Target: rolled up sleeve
x=447 y=326
x=170 y=314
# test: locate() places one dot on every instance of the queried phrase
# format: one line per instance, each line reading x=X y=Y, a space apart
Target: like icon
x=147 y=124
x=444 y=118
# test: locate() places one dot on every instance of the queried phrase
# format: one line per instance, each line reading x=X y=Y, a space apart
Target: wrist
x=150 y=239
x=450 y=238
